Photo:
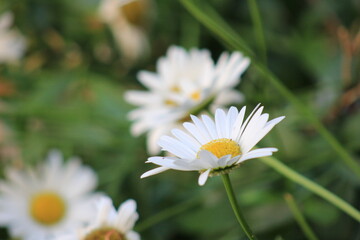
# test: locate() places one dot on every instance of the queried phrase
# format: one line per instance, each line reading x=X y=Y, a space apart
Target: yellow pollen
x=175 y=89
x=195 y=96
x=106 y=233
x=222 y=147
x=170 y=102
x=47 y=208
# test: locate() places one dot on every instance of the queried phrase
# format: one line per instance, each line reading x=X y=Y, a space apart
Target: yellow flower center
x=47 y=208
x=195 y=96
x=170 y=103
x=222 y=147
x=106 y=233
x=175 y=89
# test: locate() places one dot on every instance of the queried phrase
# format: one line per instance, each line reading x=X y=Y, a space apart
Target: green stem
x=235 y=207
x=299 y=217
x=209 y=18
x=312 y=186
x=167 y=213
x=258 y=29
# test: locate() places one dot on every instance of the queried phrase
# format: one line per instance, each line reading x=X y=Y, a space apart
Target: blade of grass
x=209 y=18
x=299 y=217
x=258 y=29
x=168 y=213
x=311 y=186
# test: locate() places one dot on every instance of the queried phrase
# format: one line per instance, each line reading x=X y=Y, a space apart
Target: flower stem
x=235 y=207
x=299 y=217
x=312 y=186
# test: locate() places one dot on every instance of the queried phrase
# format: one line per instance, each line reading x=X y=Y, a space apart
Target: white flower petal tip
x=154 y=172
x=278 y=119
x=203 y=177
x=129 y=204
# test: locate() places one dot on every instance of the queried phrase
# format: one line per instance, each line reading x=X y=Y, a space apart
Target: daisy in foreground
x=39 y=203
x=109 y=224
x=215 y=147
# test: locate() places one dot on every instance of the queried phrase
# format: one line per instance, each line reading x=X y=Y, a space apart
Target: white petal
x=149 y=80
x=220 y=122
x=259 y=134
x=131 y=235
x=126 y=216
x=210 y=126
x=252 y=131
x=247 y=120
x=201 y=128
x=223 y=161
x=203 y=177
x=154 y=171
x=186 y=139
x=176 y=147
x=194 y=131
x=171 y=162
x=238 y=124
x=209 y=157
x=230 y=119
x=257 y=153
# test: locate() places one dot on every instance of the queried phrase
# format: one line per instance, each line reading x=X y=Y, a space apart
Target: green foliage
x=64 y=95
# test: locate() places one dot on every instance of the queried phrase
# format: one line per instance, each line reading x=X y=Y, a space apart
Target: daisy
x=39 y=203
x=109 y=223
x=12 y=44
x=126 y=20
x=215 y=147
x=185 y=83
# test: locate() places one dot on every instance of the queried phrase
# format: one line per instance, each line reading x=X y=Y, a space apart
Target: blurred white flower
x=39 y=203
x=184 y=83
x=125 y=18
x=108 y=223
x=215 y=147
x=12 y=43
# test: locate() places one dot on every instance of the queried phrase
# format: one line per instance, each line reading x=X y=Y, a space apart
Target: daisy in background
x=126 y=20
x=215 y=147
x=108 y=223
x=39 y=203
x=12 y=43
x=186 y=82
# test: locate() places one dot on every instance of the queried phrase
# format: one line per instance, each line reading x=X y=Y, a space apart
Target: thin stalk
x=299 y=217
x=312 y=186
x=235 y=207
x=258 y=28
x=167 y=213
x=209 y=18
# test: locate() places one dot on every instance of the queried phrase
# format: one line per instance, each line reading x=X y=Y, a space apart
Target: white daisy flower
x=185 y=83
x=108 y=223
x=12 y=44
x=215 y=147
x=126 y=18
x=42 y=202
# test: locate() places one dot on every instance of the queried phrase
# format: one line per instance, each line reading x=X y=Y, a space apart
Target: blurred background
x=65 y=91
